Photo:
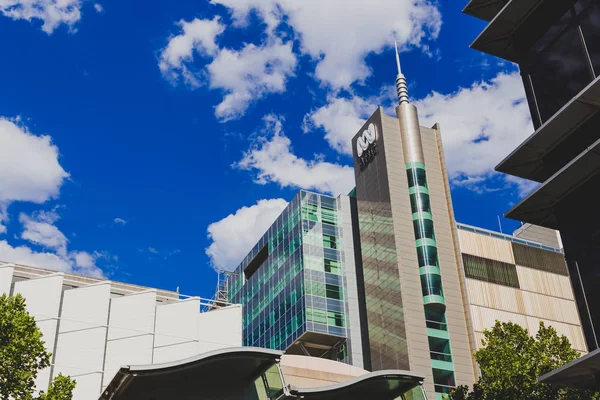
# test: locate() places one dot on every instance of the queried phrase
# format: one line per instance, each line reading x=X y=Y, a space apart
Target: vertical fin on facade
x=401 y=87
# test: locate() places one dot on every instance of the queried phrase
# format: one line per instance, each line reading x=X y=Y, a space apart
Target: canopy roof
x=583 y=373
x=235 y=373
x=496 y=38
x=526 y=160
x=539 y=207
x=484 y=9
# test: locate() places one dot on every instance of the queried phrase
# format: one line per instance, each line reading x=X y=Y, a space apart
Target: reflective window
x=423 y=229
x=420 y=202
x=443 y=380
x=416 y=177
x=333 y=292
x=427 y=256
x=439 y=349
x=431 y=285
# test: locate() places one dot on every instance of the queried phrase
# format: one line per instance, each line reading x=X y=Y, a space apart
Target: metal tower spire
x=401 y=86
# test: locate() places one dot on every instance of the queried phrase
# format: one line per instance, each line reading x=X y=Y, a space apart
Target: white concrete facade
x=93 y=327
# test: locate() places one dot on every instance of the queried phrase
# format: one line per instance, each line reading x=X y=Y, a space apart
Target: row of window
x=502 y=273
x=325 y=317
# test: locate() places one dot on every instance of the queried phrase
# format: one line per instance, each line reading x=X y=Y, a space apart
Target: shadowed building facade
x=557 y=47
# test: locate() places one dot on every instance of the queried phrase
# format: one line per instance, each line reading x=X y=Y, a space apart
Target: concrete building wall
x=451 y=268
x=93 y=327
x=541 y=295
x=412 y=297
x=311 y=372
x=535 y=233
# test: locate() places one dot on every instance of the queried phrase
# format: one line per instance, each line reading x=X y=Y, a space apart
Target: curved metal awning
x=382 y=385
x=220 y=374
x=245 y=373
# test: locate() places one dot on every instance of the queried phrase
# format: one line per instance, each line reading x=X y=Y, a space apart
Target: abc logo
x=366 y=146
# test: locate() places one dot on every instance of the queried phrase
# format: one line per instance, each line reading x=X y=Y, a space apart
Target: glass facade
x=384 y=342
x=293 y=280
x=559 y=54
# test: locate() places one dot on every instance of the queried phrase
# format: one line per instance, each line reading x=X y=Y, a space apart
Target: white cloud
x=250 y=74
x=339 y=34
x=40 y=229
x=272 y=159
x=120 y=221
x=79 y=264
x=480 y=125
x=29 y=167
x=341 y=118
x=243 y=76
x=198 y=35
x=152 y=250
x=51 y=13
x=233 y=236
x=98 y=7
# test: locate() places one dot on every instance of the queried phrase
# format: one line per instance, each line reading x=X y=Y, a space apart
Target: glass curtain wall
x=293 y=279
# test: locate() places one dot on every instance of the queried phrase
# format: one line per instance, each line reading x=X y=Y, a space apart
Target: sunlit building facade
x=293 y=283
x=385 y=279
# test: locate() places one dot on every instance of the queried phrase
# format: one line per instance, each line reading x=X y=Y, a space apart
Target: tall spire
x=401 y=87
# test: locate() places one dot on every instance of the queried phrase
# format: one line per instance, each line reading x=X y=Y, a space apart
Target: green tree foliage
x=22 y=355
x=511 y=361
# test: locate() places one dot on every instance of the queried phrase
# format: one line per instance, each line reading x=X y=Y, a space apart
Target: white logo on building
x=366 y=145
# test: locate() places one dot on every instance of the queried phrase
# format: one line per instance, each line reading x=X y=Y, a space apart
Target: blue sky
x=152 y=144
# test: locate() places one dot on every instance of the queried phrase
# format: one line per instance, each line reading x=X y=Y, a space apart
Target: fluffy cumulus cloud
x=52 y=13
x=40 y=230
x=233 y=236
x=198 y=35
x=341 y=118
x=272 y=159
x=242 y=75
x=29 y=166
x=480 y=125
x=250 y=74
x=368 y=26
x=30 y=172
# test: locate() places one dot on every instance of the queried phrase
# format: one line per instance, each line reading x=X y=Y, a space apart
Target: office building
x=509 y=278
x=298 y=285
x=385 y=279
x=556 y=45
x=92 y=327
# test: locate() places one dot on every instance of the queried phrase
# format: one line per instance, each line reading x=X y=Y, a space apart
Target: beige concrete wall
x=548 y=237
x=311 y=372
x=445 y=228
x=412 y=297
x=486 y=246
x=542 y=296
